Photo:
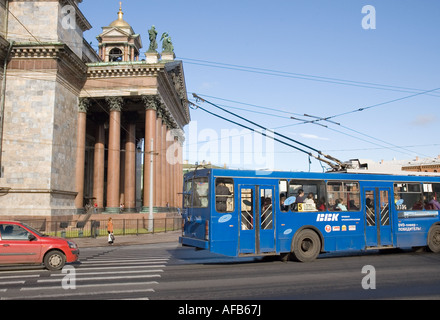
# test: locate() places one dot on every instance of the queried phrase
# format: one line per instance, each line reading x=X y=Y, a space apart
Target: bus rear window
x=196 y=193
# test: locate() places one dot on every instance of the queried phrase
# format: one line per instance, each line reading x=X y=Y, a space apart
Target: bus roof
x=349 y=174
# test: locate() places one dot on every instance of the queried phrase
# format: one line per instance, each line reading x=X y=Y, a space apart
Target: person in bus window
x=353 y=206
x=418 y=205
x=434 y=203
x=310 y=201
x=267 y=204
x=340 y=205
x=222 y=192
x=300 y=197
x=321 y=205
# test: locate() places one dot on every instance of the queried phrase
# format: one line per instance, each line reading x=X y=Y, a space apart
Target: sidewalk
x=170 y=236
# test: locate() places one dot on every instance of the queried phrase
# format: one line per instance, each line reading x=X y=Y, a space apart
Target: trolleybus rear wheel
x=306 y=246
x=434 y=239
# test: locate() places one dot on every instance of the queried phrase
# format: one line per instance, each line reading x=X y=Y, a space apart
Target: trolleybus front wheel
x=434 y=239
x=306 y=246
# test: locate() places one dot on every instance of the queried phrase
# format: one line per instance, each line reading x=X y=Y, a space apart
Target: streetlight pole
x=150 y=216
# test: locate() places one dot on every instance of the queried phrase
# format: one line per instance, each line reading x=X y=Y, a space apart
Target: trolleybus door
x=377 y=217
x=256 y=231
x=247 y=219
x=266 y=220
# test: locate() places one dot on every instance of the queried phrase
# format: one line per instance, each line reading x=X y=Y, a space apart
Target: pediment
x=115 y=32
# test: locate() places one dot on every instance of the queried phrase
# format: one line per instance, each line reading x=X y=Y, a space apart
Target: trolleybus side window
x=283 y=195
x=408 y=196
x=266 y=209
x=431 y=194
x=224 y=195
x=343 y=195
x=187 y=194
x=310 y=195
x=247 y=210
x=196 y=193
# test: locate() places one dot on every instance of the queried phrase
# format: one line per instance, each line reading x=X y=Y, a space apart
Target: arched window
x=115 y=55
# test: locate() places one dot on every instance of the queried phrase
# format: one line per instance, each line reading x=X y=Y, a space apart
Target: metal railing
x=98 y=227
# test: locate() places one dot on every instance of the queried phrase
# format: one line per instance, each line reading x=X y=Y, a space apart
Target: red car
x=21 y=244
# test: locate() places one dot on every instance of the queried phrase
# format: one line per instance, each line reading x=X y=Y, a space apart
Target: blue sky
x=331 y=66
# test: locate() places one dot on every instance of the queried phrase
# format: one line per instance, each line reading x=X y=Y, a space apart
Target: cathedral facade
x=80 y=126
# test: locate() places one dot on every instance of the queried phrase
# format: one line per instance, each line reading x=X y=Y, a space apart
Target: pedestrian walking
x=111 y=237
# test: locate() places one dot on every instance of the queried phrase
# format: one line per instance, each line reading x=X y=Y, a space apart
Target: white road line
x=42 y=270
x=99 y=285
x=79 y=269
x=100 y=264
x=11 y=282
x=104 y=278
x=124 y=261
x=21 y=276
x=107 y=272
x=58 y=295
x=126 y=258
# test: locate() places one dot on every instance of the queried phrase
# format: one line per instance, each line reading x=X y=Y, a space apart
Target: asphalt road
x=167 y=271
x=401 y=275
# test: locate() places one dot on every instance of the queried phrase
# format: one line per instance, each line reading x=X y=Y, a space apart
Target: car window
x=13 y=232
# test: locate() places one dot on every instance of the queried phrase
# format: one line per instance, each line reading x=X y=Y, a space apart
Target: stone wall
x=44 y=79
x=3 y=18
x=48 y=21
x=39 y=142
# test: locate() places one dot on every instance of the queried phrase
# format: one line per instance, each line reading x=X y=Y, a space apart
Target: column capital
x=84 y=105
x=151 y=102
x=160 y=113
x=179 y=135
x=115 y=103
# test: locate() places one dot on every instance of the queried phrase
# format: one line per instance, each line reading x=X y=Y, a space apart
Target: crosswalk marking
x=119 y=267
x=21 y=276
x=104 y=278
x=99 y=285
x=12 y=282
x=108 y=272
x=125 y=261
x=78 y=294
x=124 y=273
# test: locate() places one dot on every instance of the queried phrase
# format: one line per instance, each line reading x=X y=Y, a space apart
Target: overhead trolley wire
x=334 y=163
x=302 y=76
x=303 y=121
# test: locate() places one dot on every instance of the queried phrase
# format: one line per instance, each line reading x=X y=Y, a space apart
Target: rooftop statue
x=152 y=35
x=167 y=45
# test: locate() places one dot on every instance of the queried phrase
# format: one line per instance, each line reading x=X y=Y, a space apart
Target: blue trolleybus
x=243 y=213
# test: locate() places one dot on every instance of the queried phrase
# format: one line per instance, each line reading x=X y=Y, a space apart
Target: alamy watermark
x=369 y=20
x=236 y=148
x=369 y=281
x=68 y=17
x=69 y=280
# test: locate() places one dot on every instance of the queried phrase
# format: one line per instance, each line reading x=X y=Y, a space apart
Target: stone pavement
x=170 y=236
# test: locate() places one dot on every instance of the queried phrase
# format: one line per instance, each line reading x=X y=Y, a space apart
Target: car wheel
x=54 y=260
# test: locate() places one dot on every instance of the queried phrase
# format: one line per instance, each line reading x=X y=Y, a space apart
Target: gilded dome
x=120 y=22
